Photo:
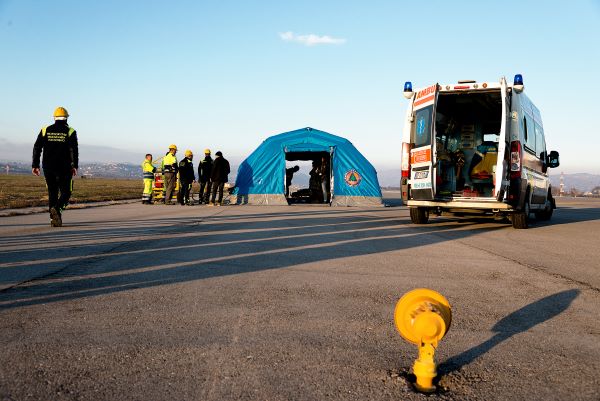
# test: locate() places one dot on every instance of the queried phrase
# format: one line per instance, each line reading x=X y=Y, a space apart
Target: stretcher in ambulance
x=475 y=148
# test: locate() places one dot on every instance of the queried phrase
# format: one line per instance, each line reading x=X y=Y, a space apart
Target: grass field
x=17 y=191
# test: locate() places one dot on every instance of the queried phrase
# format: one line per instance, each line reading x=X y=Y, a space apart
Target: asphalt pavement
x=149 y=302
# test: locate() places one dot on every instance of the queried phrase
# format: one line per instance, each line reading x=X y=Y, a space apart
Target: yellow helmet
x=60 y=112
x=172 y=147
x=188 y=153
x=207 y=151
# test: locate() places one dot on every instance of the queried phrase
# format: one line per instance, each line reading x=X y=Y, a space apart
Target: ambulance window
x=540 y=144
x=422 y=127
x=529 y=134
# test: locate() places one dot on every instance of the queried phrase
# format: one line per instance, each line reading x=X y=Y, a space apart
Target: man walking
x=58 y=142
x=204 y=172
x=219 y=177
x=186 y=178
x=169 y=169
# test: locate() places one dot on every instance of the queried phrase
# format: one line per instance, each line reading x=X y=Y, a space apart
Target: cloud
x=311 y=39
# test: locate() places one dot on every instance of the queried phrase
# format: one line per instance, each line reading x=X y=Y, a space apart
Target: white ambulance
x=475 y=148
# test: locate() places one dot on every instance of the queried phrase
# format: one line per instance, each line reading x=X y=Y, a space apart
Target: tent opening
x=308 y=180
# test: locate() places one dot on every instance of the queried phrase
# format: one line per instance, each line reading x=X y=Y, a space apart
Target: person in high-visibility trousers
x=169 y=170
x=186 y=178
x=60 y=162
x=148 y=170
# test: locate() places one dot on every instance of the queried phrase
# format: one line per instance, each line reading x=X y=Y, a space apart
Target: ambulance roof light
x=408 y=91
x=518 y=83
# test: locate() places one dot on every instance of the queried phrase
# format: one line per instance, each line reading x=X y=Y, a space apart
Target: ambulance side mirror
x=552 y=160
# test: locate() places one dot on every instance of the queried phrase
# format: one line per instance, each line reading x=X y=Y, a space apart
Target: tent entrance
x=311 y=181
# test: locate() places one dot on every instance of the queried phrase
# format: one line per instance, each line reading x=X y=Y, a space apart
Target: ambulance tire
x=419 y=215
x=520 y=220
x=546 y=213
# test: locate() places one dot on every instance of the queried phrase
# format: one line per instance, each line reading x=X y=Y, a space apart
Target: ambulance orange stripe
x=424 y=100
x=420 y=156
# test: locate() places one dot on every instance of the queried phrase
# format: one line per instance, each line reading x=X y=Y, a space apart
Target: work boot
x=55 y=218
x=210 y=204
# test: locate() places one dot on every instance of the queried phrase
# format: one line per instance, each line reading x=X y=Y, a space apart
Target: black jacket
x=186 y=170
x=220 y=170
x=205 y=169
x=59 y=145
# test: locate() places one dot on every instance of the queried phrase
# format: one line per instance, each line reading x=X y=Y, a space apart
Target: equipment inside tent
x=261 y=178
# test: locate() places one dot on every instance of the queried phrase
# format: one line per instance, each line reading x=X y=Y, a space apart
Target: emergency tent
x=261 y=177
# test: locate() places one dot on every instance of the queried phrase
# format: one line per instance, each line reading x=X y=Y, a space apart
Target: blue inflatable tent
x=261 y=177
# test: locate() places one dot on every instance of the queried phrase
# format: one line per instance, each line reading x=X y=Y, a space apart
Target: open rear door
x=501 y=174
x=422 y=137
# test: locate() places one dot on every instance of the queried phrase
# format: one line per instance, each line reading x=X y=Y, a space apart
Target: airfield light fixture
x=423 y=317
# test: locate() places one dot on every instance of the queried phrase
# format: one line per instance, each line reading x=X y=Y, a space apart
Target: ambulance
x=475 y=148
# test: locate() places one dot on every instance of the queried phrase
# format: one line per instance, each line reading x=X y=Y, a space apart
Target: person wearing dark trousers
x=186 y=178
x=218 y=177
x=324 y=174
x=169 y=170
x=58 y=142
x=204 y=172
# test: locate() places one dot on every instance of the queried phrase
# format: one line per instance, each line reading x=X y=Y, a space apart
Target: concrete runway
x=294 y=303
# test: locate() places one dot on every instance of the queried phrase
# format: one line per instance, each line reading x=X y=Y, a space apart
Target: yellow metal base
x=425 y=369
x=423 y=317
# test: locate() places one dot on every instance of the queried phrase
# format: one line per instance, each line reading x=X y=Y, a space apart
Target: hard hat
x=172 y=147
x=207 y=151
x=188 y=153
x=60 y=112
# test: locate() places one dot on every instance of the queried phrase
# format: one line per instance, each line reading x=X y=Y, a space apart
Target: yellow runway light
x=423 y=317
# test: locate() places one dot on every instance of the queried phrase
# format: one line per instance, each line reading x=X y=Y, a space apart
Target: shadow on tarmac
x=113 y=257
x=515 y=323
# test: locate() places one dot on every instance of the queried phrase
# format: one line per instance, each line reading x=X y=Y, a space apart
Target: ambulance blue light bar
x=518 y=79
x=518 y=83
x=408 y=92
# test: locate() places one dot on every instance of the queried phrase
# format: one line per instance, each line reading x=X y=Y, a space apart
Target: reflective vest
x=148 y=169
x=169 y=163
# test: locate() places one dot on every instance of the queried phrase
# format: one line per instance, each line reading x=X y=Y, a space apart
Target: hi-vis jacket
x=59 y=145
x=169 y=163
x=148 y=169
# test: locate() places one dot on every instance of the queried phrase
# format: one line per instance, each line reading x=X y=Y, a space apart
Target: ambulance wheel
x=520 y=219
x=546 y=213
x=419 y=215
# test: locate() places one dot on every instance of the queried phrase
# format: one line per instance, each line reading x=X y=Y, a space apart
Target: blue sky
x=139 y=75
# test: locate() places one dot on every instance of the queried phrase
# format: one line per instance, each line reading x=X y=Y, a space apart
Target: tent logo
x=352 y=178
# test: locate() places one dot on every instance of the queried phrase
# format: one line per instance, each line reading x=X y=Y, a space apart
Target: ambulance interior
x=467 y=137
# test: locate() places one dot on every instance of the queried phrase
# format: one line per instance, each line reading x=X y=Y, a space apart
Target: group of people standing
x=213 y=174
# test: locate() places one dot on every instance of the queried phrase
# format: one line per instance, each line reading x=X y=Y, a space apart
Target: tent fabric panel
x=353 y=174
x=263 y=172
x=356 y=201
x=259 y=199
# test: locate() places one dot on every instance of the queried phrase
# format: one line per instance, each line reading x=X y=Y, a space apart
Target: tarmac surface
x=294 y=303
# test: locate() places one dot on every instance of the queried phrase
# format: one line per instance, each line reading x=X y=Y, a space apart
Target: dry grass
x=17 y=191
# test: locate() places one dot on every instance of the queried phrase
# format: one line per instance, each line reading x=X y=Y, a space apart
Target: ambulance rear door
x=501 y=174
x=422 y=137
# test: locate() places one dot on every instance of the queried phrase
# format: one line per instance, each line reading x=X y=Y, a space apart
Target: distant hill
x=108 y=170
x=583 y=182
